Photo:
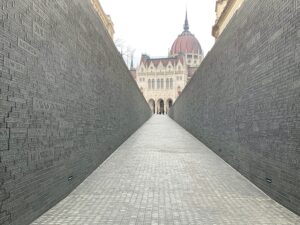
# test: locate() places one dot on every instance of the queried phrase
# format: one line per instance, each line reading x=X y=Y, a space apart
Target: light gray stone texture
x=244 y=101
x=162 y=175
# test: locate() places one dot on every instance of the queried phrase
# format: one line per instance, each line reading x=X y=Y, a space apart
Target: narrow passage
x=163 y=175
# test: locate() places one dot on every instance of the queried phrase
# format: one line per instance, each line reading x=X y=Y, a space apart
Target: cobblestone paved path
x=163 y=175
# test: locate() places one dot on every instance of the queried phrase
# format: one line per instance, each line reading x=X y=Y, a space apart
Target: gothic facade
x=161 y=80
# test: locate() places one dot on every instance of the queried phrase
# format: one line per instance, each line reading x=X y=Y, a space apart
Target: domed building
x=162 y=80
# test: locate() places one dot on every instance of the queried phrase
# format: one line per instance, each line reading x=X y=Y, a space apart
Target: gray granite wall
x=244 y=101
x=67 y=101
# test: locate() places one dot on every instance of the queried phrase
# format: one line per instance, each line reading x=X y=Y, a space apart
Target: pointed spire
x=186 y=23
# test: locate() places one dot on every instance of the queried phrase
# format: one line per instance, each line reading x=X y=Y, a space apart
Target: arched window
x=158 y=84
x=171 y=83
x=162 y=83
x=149 y=84
x=167 y=83
x=153 y=84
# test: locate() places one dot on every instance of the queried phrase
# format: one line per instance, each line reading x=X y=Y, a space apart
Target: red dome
x=186 y=43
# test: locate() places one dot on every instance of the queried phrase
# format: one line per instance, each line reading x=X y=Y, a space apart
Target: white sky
x=152 y=26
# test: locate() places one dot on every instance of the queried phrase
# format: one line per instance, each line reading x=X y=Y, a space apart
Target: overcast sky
x=151 y=26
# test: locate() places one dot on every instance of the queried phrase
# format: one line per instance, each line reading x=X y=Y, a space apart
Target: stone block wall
x=244 y=100
x=67 y=101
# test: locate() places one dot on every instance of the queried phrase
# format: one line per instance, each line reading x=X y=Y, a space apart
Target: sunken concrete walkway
x=163 y=175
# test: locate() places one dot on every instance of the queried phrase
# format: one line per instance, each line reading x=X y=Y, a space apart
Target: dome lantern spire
x=186 y=42
x=186 y=23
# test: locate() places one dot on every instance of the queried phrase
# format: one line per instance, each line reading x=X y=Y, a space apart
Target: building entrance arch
x=151 y=103
x=169 y=104
x=160 y=106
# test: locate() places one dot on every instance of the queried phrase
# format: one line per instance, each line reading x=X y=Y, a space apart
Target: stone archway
x=169 y=104
x=160 y=106
x=151 y=103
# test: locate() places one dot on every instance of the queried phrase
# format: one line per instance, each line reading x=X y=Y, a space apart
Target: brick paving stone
x=163 y=175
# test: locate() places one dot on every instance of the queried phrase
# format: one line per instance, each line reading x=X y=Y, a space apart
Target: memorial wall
x=67 y=101
x=244 y=100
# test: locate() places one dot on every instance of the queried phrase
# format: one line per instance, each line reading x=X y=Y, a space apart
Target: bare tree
x=125 y=50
